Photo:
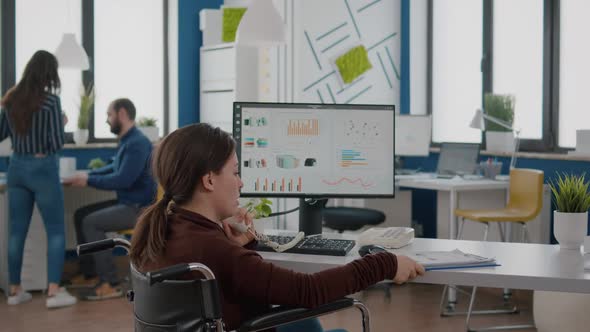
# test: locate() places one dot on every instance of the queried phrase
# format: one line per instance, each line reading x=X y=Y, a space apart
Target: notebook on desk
x=454 y=259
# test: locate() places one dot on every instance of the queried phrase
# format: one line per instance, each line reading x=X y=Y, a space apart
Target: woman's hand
x=241 y=217
x=407 y=269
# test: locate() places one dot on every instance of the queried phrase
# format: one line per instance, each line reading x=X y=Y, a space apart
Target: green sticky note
x=353 y=64
x=231 y=20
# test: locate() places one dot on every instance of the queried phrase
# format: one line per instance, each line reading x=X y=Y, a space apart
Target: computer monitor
x=315 y=151
x=412 y=135
x=458 y=158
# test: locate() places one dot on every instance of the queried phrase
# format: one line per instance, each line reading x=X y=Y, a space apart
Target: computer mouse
x=370 y=249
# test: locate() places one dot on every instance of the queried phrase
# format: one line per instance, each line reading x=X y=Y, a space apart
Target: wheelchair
x=162 y=303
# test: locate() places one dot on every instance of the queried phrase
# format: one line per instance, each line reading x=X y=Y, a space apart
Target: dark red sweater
x=248 y=284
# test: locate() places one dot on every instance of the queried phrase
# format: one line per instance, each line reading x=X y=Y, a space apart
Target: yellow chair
x=126 y=232
x=524 y=204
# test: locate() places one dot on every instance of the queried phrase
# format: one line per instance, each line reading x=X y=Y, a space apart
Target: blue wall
x=189 y=42
x=405 y=58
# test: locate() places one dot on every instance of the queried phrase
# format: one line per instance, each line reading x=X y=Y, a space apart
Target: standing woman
x=33 y=119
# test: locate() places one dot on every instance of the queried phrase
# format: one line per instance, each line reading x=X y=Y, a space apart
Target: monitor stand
x=311 y=216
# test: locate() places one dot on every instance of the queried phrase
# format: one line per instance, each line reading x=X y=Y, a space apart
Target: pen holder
x=490 y=170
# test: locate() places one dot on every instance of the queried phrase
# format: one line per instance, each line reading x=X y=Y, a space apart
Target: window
x=456 y=76
x=574 y=67
x=37 y=28
x=518 y=61
x=128 y=59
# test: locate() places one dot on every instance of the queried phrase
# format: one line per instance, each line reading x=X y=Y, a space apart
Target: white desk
x=453 y=186
x=523 y=266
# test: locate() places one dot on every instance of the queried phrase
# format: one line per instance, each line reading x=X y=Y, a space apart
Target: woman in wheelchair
x=198 y=169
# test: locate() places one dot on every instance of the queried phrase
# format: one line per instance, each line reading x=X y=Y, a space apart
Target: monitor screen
x=412 y=135
x=458 y=158
x=311 y=150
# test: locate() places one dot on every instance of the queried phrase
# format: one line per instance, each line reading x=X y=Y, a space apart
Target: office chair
x=524 y=204
x=350 y=218
x=163 y=304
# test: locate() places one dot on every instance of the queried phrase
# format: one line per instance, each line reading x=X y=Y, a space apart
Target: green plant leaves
x=570 y=193
x=147 y=122
x=86 y=102
x=500 y=107
x=96 y=163
x=260 y=207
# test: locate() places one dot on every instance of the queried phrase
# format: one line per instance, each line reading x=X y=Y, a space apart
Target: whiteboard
x=325 y=30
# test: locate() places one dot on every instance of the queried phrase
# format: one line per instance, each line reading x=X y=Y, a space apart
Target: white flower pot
x=570 y=229
x=500 y=141
x=81 y=136
x=152 y=133
x=262 y=224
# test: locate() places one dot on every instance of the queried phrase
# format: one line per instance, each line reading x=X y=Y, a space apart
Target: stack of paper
x=455 y=259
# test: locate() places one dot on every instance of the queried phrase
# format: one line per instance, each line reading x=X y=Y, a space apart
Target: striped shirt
x=46 y=134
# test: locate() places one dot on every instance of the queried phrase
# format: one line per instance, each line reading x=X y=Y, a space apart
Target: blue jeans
x=33 y=180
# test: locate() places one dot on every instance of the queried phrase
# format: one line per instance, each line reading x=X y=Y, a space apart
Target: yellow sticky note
x=231 y=20
x=353 y=64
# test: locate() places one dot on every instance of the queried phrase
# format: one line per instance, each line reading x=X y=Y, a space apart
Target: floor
x=411 y=307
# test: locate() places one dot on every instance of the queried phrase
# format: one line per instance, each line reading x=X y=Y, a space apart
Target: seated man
x=129 y=175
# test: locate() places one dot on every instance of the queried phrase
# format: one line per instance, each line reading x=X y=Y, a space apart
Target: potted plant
x=85 y=108
x=149 y=128
x=96 y=163
x=261 y=208
x=498 y=138
x=572 y=200
x=570 y=226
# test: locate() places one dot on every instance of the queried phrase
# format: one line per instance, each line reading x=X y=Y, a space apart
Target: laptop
x=457 y=159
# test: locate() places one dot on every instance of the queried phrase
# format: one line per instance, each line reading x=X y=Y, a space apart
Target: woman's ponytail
x=149 y=237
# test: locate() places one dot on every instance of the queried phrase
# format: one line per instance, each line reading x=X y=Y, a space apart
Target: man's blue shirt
x=129 y=173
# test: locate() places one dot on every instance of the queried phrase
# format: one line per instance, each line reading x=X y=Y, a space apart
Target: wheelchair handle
x=175 y=271
x=92 y=247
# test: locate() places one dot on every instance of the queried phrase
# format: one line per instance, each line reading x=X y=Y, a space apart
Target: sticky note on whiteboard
x=353 y=64
x=230 y=22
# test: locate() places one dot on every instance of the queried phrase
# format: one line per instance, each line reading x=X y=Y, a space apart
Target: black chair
x=163 y=304
x=351 y=218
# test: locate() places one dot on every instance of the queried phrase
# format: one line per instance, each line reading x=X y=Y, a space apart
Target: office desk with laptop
x=491 y=192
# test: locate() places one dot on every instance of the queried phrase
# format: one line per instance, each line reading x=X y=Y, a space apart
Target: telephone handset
x=240 y=227
x=388 y=237
x=243 y=228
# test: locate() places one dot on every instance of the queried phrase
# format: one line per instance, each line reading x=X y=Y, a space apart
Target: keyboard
x=315 y=245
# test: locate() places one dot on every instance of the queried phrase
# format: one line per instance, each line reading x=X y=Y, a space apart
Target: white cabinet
x=231 y=72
